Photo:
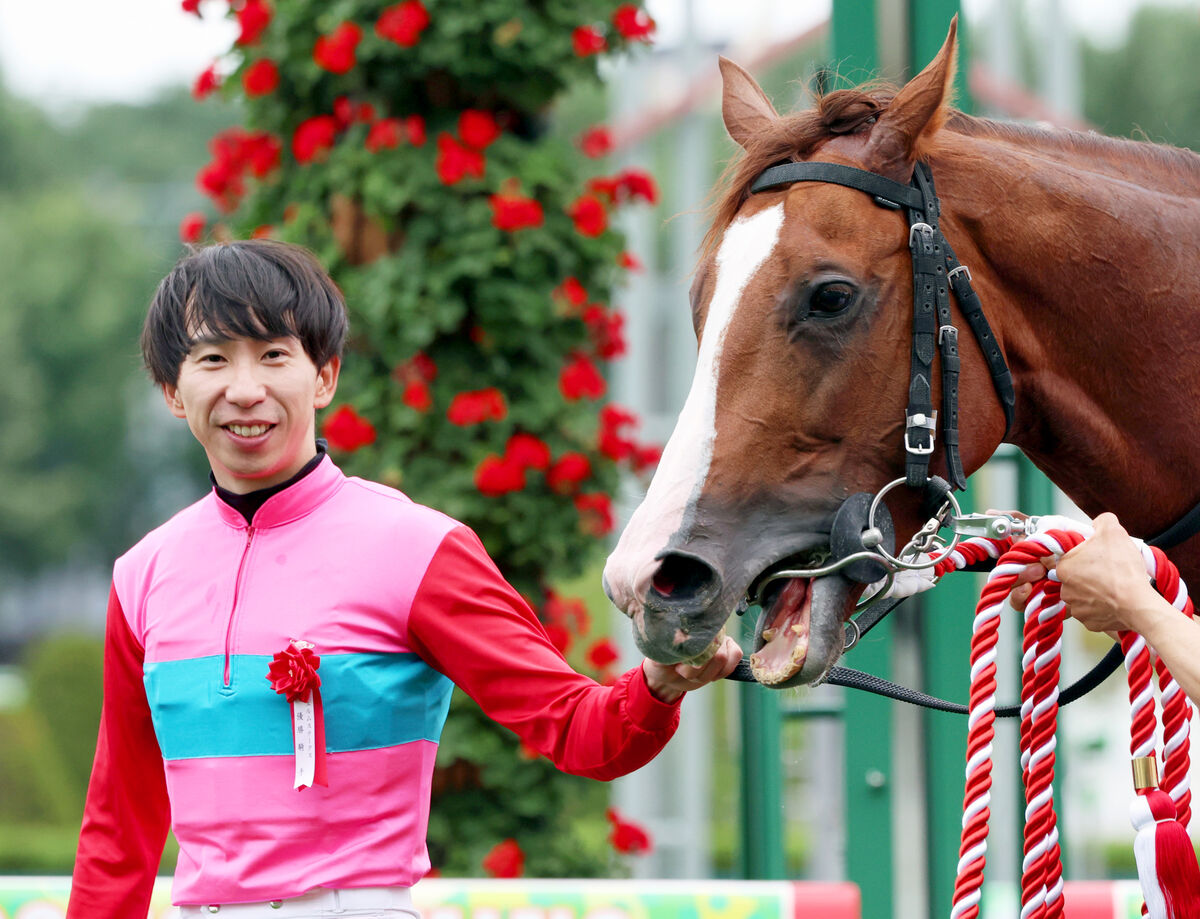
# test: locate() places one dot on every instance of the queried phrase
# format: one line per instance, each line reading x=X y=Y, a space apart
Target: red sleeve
x=469 y=623
x=127 y=814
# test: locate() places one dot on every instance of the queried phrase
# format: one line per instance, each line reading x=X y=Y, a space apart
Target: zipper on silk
x=237 y=587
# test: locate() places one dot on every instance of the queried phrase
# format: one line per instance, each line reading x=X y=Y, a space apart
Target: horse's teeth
x=797 y=628
x=768 y=634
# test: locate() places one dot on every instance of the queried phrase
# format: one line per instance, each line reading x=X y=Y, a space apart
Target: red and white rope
x=1041 y=881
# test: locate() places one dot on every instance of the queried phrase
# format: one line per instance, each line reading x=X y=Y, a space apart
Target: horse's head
x=802 y=305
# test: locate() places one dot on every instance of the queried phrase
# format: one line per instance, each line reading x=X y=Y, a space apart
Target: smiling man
x=279 y=655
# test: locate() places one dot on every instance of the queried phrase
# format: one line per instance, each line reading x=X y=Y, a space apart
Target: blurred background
x=100 y=142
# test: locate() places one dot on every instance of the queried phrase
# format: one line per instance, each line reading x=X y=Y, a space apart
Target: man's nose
x=244 y=387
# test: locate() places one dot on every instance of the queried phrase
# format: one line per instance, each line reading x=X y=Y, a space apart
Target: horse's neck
x=1092 y=284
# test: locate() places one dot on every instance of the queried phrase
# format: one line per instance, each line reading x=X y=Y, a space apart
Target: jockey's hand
x=668 y=682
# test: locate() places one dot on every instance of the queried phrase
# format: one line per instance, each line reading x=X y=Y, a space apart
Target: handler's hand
x=670 y=681
x=1104 y=580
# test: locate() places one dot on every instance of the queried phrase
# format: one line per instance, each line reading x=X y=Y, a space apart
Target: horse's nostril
x=681 y=577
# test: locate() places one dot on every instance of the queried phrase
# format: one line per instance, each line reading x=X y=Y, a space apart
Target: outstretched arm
x=470 y=624
x=1105 y=586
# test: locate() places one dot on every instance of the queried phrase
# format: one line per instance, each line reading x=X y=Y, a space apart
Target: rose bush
x=405 y=144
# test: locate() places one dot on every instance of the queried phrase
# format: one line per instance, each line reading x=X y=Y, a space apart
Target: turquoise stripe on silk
x=370 y=701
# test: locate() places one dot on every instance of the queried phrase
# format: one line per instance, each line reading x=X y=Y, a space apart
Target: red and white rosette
x=293 y=674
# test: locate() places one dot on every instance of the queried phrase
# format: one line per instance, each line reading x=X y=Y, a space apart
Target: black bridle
x=935 y=272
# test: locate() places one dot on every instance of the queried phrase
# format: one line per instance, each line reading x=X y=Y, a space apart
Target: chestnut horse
x=1082 y=250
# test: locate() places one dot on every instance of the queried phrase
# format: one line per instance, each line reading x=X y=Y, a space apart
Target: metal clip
x=991 y=526
x=947 y=330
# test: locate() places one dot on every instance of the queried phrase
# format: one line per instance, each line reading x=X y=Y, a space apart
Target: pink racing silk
x=398 y=600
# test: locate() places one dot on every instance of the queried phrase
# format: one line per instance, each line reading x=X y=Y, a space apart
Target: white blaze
x=688 y=454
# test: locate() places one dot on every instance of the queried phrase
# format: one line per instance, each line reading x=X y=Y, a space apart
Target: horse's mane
x=846 y=111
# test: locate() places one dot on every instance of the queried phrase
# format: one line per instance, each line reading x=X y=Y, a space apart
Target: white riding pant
x=352 y=903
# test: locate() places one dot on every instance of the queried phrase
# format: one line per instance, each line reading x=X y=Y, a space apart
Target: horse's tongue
x=784 y=634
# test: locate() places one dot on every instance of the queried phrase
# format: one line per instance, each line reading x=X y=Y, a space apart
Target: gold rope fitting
x=1145 y=773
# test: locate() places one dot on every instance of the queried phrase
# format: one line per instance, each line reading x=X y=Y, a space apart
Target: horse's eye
x=832 y=298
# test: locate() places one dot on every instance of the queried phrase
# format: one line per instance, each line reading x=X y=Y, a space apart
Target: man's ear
x=174 y=403
x=327 y=380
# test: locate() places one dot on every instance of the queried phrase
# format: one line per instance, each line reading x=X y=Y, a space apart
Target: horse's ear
x=916 y=113
x=744 y=106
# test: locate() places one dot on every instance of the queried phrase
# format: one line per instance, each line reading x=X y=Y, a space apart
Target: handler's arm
x=127 y=814
x=1105 y=586
x=470 y=624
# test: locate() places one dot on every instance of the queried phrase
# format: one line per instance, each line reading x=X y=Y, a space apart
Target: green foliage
x=449 y=298
x=65 y=677
x=34 y=785
x=1146 y=86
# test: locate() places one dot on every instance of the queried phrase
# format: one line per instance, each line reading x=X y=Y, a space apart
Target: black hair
x=255 y=288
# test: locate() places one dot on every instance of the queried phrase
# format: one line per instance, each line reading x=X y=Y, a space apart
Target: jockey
x=279 y=655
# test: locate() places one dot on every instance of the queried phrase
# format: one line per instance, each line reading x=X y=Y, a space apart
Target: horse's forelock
x=793 y=136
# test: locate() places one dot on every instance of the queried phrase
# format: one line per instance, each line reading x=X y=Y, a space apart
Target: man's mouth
x=248 y=430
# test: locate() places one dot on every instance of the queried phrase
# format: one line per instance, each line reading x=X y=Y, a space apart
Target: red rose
x=192 y=6
x=515 y=212
x=207 y=83
x=637 y=183
x=418 y=367
x=262 y=231
x=589 y=215
x=506 y=860
x=403 y=23
x=527 y=451
x=580 y=379
x=343 y=112
x=347 y=430
x=478 y=129
x=629 y=261
x=595 y=513
x=602 y=653
x=293 y=672
x=414 y=125
x=497 y=475
x=260 y=78
x=633 y=22
x=479 y=405
x=586 y=41
x=262 y=151
x=572 y=291
x=417 y=396
x=568 y=471
x=596 y=142
x=191 y=228
x=455 y=162
x=645 y=457
x=571 y=613
x=607 y=188
x=607 y=331
x=253 y=16
x=335 y=52
x=365 y=112
x=613 y=442
x=626 y=837
x=313 y=137
x=384 y=134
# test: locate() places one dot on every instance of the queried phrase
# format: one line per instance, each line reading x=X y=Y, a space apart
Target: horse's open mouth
x=782 y=633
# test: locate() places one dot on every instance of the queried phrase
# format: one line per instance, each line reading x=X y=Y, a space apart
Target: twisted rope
x=1041 y=879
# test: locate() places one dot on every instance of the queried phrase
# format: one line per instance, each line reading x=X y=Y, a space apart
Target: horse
x=815 y=344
